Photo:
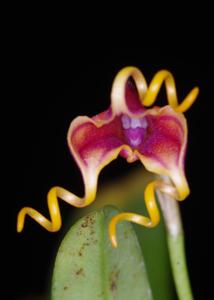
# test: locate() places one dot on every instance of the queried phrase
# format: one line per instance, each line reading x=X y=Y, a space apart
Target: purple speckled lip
x=134 y=130
x=156 y=136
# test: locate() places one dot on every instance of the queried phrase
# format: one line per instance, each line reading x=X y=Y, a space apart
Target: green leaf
x=88 y=268
x=153 y=243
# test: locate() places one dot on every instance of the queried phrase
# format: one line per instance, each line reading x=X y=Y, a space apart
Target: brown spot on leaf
x=88 y=221
x=80 y=272
x=113 y=286
x=85 y=244
x=114 y=279
x=84 y=225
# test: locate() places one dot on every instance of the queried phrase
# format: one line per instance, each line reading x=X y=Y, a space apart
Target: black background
x=47 y=90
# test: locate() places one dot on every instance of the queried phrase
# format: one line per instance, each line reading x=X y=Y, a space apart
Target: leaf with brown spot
x=97 y=271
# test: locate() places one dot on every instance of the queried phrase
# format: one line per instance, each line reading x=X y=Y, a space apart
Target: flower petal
x=94 y=143
x=132 y=98
x=163 y=150
x=127 y=95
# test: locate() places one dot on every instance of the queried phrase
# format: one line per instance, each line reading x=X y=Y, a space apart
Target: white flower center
x=133 y=123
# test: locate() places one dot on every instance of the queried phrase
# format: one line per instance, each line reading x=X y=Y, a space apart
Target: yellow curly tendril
x=148 y=94
x=55 y=222
x=152 y=208
x=147 y=97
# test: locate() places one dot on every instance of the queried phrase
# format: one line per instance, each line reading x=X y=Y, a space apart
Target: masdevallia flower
x=155 y=136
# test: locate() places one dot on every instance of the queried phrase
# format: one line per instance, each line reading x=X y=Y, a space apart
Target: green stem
x=175 y=240
x=178 y=261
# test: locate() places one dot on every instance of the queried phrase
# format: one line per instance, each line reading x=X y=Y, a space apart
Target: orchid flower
x=155 y=136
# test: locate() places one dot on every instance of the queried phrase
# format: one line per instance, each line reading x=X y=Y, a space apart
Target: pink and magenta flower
x=156 y=136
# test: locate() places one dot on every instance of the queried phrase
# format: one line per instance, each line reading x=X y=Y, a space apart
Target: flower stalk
x=175 y=241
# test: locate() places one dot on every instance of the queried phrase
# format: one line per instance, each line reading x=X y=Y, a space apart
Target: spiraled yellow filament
x=148 y=93
x=154 y=216
x=166 y=77
x=55 y=222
